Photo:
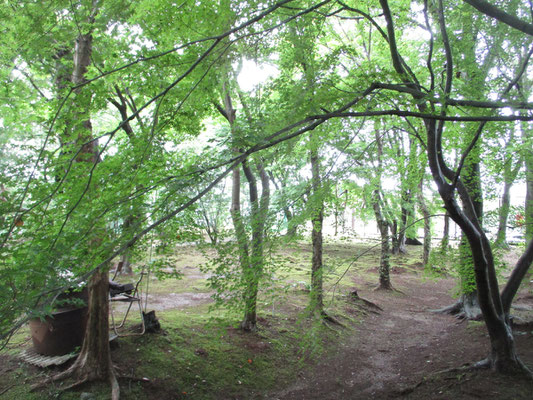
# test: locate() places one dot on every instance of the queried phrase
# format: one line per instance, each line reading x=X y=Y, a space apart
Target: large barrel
x=63 y=331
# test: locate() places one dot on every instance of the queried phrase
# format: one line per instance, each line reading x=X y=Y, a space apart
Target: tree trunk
x=468 y=306
x=125 y=259
x=528 y=162
x=383 y=224
x=501 y=235
x=94 y=360
x=427 y=223
x=254 y=271
x=402 y=231
x=394 y=237
x=445 y=242
x=292 y=228
x=509 y=176
x=317 y=219
x=252 y=262
x=383 y=227
x=503 y=354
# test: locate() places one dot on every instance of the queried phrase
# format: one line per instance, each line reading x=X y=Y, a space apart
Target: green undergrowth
x=200 y=352
x=199 y=355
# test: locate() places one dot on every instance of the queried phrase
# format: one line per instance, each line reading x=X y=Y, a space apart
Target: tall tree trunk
x=394 y=237
x=383 y=227
x=468 y=302
x=427 y=223
x=527 y=140
x=509 y=175
x=94 y=360
x=503 y=354
x=503 y=217
x=254 y=271
x=445 y=242
x=402 y=229
x=251 y=256
x=124 y=267
x=317 y=220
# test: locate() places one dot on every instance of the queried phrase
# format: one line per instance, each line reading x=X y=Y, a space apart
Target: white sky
x=253 y=74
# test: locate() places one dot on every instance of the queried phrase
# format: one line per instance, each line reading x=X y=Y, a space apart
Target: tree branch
x=492 y=11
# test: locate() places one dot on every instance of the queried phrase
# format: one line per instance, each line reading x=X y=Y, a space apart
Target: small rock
x=87 y=396
x=201 y=352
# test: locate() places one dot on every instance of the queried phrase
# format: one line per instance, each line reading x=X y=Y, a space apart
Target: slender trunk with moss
x=383 y=227
x=292 y=227
x=317 y=220
x=510 y=172
x=254 y=271
x=427 y=223
x=445 y=242
x=468 y=304
x=527 y=139
x=383 y=223
x=251 y=254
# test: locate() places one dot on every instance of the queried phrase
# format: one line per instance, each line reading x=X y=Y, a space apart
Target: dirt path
x=394 y=350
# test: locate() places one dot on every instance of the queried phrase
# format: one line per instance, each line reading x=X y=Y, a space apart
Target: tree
x=94 y=360
x=495 y=307
x=56 y=214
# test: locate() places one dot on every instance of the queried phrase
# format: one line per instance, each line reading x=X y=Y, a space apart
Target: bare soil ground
x=403 y=351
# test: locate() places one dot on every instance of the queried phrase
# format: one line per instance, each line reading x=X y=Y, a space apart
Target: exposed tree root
x=82 y=374
x=463 y=310
x=410 y=389
x=520 y=369
x=248 y=326
x=373 y=307
x=387 y=288
x=329 y=319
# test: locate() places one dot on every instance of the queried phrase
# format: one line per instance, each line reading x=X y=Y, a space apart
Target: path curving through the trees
x=392 y=353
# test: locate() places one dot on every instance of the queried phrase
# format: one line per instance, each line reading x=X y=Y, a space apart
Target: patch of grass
x=202 y=355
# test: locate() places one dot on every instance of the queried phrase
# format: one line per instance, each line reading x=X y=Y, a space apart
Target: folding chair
x=126 y=293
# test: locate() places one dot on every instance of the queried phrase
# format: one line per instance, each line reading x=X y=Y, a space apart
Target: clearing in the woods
x=390 y=346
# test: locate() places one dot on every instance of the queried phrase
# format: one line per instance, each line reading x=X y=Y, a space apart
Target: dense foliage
x=177 y=96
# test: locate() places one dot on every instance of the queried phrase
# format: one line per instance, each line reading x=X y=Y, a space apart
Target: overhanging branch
x=492 y=11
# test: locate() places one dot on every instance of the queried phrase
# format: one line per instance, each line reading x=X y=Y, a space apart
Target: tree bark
x=94 y=360
x=445 y=242
x=383 y=227
x=527 y=140
x=502 y=356
x=251 y=255
x=317 y=220
x=427 y=223
x=292 y=228
x=383 y=224
x=489 y=9
x=509 y=175
x=503 y=217
x=254 y=271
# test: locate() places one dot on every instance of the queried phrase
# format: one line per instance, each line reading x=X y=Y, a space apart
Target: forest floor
x=400 y=350
x=408 y=351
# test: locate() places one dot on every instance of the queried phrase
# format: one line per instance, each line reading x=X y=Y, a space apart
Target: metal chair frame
x=134 y=297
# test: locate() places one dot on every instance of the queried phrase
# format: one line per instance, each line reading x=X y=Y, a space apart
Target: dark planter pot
x=63 y=331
